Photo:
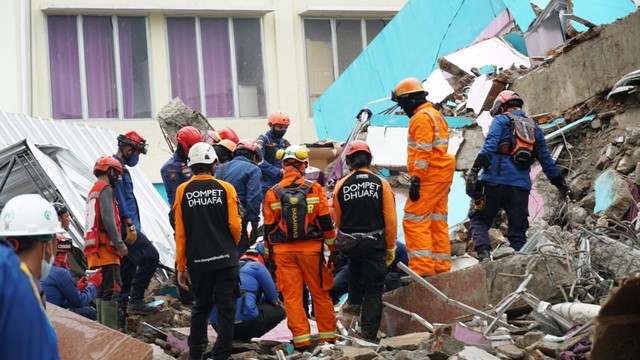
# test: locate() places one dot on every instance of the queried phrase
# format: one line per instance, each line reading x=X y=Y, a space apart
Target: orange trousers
x=426 y=232
x=293 y=269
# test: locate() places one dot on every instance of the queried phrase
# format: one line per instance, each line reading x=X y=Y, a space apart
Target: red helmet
x=187 y=137
x=506 y=98
x=279 y=118
x=357 y=145
x=106 y=162
x=253 y=254
x=133 y=139
x=249 y=144
x=229 y=134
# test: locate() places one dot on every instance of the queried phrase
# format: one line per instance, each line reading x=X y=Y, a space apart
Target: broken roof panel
x=437 y=86
x=494 y=51
x=601 y=11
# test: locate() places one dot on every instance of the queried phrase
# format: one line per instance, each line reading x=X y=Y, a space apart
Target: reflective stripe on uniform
x=327 y=335
x=419 y=253
x=275 y=205
x=441 y=142
x=441 y=256
x=438 y=217
x=301 y=338
x=422 y=146
x=421 y=164
x=313 y=200
x=421 y=218
x=329 y=241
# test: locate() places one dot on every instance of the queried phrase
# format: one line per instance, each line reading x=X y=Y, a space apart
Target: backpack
x=294 y=224
x=521 y=145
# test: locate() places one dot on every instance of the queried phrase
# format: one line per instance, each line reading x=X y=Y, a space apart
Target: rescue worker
x=505 y=185
x=296 y=221
x=29 y=224
x=224 y=150
x=139 y=266
x=174 y=172
x=207 y=232
x=103 y=245
x=365 y=214
x=244 y=175
x=61 y=288
x=269 y=144
x=431 y=170
x=63 y=214
x=258 y=309
x=392 y=278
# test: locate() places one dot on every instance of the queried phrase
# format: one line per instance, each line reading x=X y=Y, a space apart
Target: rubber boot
x=110 y=314
x=137 y=305
x=122 y=314
x=99 y=309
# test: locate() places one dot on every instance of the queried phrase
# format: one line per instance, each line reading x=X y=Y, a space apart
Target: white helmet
x=201 y=153
x=28 y=215
x=295 y=152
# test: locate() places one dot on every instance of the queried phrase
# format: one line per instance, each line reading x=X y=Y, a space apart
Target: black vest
x=360 y=198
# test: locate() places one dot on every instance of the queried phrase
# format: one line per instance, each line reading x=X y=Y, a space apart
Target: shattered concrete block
x=405 y=342
x=510 y=351
x=444 y=347
x=636 y=173
x=351 y=352
x=411 y=355
x=503 y=252
x=473 y=353
x=628 y=162
x=610 y=151
x=158 y=317
x=244 y=355
x=548 y=348
x=612 y=195
x=497 y=238
x=576 y=216
x=596 y=124
x=473 y=142
x=603 y=162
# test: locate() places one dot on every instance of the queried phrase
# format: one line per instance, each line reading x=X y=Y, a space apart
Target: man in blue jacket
x=258 y=309
x=138 y=267
x=269 y=143
x=506 y=181
x=243 y=173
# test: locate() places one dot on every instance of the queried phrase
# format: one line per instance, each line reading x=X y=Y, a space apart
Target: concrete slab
x=79 y=337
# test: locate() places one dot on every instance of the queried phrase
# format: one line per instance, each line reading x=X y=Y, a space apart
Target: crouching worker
x=257 y=308
x=61 y=289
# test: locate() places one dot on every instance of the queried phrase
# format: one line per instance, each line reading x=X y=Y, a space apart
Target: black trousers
x=367 y=269
x=269 y=315
x=219 y=288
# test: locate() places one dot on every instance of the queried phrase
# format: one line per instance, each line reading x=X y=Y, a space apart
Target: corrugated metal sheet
x=70 y=170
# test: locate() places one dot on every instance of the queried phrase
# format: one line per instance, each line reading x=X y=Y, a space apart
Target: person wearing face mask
x=103 y=245
x=138 y=267
x=269 y=144
x=29 y=224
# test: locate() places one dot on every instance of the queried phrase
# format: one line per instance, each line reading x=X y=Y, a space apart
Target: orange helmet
x=253 y=254
x=133 y=139
x=106 y=162
x=357 y=145
x=248 y=144
x=228 y=144
x=279 y=118
x=187 y=137
x=228 y=133
x=407 y=86
x=506 y=98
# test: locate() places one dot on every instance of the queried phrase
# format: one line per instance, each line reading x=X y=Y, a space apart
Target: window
x=99 y=67
x=331 y=45
x=216 y=65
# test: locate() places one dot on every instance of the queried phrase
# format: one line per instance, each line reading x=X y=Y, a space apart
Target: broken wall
x=588 y=69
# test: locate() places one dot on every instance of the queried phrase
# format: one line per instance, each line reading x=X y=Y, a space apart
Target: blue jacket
x=502 y=169
x=401 y=256
x=127 y=204
x=271 y=166
x=26 y=330
x=244 y=175
x=62 y=291
x=254 y=278
x=174 y=172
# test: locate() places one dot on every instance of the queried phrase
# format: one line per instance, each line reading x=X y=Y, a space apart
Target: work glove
x=132 y=234
x=473 y=186
x=481 y=162
x=333 y=262
x=82 y=283
x=414 y=189
x=561 y=184
x=253 y=235
x=390 y=255
x=96 y=278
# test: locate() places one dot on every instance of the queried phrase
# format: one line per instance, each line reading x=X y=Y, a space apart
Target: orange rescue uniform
x=425 y=221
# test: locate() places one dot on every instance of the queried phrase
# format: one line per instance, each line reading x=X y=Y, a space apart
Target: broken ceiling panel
x=478 y=93
x=493 y=51
x=437 y=86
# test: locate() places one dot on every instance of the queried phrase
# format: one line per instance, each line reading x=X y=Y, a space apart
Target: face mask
x=45 y=267
x=133 y=160
x=278 y=134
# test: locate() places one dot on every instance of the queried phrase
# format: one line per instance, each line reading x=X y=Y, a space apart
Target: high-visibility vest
x=94 y=232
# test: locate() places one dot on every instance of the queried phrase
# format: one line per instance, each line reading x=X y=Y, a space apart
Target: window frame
x=232 y=60
x=84 y=98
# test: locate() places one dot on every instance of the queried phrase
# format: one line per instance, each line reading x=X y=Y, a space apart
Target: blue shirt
x=502 y=169
x=271 y=166
x=26 y=330
x=401 y=257
x=61 y=290
x=174 y=172
x=127 y=204
x=244 y=175
x=254 y=278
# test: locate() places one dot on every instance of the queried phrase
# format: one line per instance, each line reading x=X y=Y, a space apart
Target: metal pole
x=415 y=316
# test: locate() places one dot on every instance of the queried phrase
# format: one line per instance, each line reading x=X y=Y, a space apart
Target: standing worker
x=142 y=261
x=296 y=221
x=103 y=245
x=243 y=173
x=29 y=224
x=269 y=143
x=207 y=232
x=506 y=180
x=365 y=213
x=431 y=170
